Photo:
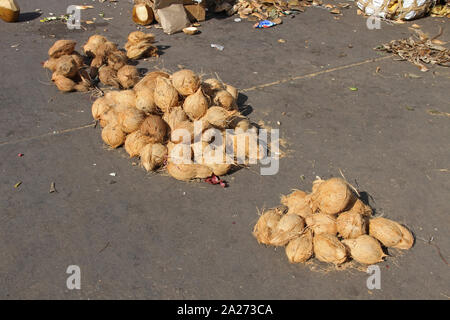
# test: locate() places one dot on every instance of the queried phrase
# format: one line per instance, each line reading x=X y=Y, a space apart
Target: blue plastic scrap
x=264 y=24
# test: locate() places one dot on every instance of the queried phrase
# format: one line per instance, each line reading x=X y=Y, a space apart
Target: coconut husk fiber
x=139 y=45
x=128 y=76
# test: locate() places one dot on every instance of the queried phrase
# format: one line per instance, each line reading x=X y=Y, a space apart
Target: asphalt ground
x=148 y=236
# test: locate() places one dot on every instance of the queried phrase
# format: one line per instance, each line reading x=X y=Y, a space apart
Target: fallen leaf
x=353 y=89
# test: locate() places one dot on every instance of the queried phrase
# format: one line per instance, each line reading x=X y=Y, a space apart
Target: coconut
x=145 y=101
x=219 y=117
x=130 y=119
x=9 y=10
x=139 y=36
x=322 y=223
x=175 y=116
x=351 y=224
x=100 y=106
x=105 y=49
x=332 y=196
x=141 y=50
x=149 y=81
x=316 y=184
x=183 y=132
x=113 y=135
x=196 y=105
x=135 y=142
x=66 y=66
x=224 y=99
x=78 y=58
x=108 y=117
x=361 y=208
x=220 y=169
x=117 y=59
x=407 y=240
x=365 y=249
x=93 y=43
x=300 y=249
x=82 y=87
x=142 y=14
x=97 y=62
x=128 y=76
x=298 y=203
x=386 y=231
x=240 y=122
x=186 y=172
x=186 y=82
x=108 y=76
x=122 y=99
x=232 y=90
x=51 y=64
x=246 y=145
x=165 y=95
x=267 y=222
x=210 y=86
x=179 y=153
x=61 y=48
x=328 y=248
x=64 y=84
x=154 y=127
x=289 y=227
x=153 y=156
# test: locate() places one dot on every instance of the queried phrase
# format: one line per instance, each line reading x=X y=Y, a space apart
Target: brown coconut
x=113 y=135
x=267 y=222
x=100 y=106
x=232 y=90
x=9 y=10
x=211 y=86
x=62 y=47
x=51 y=64
x=155 y=127
x=332 y=196
x=117 y=59
x=165 y=95
x=128 y=76
x=153 y=156
x=386 y=231
x=122 y=99
x=175 y=116
x=365 y=249
x=407 y=240
x=141 y=50
x=298 y=203
x=142 y=14
x=135 y=142
x=179 y=153
x=196 y=105
x=93 y=43
x=130 y=119
x=219 y=117
x=66 y=66
x=300 y=249
x=108 y=117
x=322 y=223
x=149 y=80
x=186 y=82
x=289 y=227
x=183 y=132
x=351 y=224
x=63 y=83
x=139 y=36
x=108 y=76
x=145 y=100
x=224 y=99
x=186 y=172
x=328 y=248
x=361 y=208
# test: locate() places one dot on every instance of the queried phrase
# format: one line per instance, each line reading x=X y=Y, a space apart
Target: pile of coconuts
x=103 y=61
x=331 y=224
x=144 y=120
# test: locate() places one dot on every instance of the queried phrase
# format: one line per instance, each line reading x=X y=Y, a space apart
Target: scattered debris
x=17 y=184
x=52 y=188
x=191 y=30
x=264 y=24
x=112 y=174
x=217 y=46
x=419 y=49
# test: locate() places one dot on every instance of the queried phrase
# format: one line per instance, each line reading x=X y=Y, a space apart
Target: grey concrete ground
x=151 y=237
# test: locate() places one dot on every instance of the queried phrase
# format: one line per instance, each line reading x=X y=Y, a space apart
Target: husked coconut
x=298 y=203
x=365 y=249
x=186 y=172
x=113 y=135
x=165 y=95
x=328 y=248
x=61 y=48
x=186 y=82
x=196 y=105
x=267 y=222
x=351 y=224
x=322 y=223
x=128 y=76
x=289 y=227
x=175 y=117
x=386 y=231
x=153 y=156
x=332 y=196
x=155 y=127
x=135 y=142
x=300 y=249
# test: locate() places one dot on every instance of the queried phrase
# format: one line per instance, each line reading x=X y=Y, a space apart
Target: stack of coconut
x=332 y=224
x=145 y=119
x=68 y=67
x=107 y=62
